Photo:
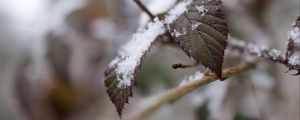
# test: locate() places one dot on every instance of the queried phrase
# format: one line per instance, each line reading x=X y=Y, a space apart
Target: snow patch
x=260 y=51
x=294 y=60
x=294 y=35
x=275 y=54
x=201 y=9
x=194 y=26
x=178 y=10
x=177 y=33
x=196 y=76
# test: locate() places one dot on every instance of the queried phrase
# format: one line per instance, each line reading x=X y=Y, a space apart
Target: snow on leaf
x=206 y=33
x=132 y=52
x=117 y=95
x=177 y=11
x=293 y=49
x=120 y=75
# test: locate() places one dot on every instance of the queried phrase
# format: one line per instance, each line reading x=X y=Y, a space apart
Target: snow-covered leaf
x=120 y=76
x=202 y=33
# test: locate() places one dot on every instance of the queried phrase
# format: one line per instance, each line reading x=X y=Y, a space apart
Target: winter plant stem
x=178 y=92
x=262 y=52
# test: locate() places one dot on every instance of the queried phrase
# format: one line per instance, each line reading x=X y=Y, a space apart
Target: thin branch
x=144 y=8
x=263 y=52
x=178 y=92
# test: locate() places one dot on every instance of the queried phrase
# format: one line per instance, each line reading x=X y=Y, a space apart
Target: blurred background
x=53 y=54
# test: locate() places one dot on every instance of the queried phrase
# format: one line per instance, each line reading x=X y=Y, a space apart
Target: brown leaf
x=202 y=33
x=119 y=96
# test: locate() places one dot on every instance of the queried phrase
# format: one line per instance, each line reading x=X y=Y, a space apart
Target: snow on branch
x=263 y=52
x=294 y=33
x=293 y=47
x=196 y=76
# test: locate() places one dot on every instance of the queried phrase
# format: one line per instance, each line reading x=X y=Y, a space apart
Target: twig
x=180 y=91
x=144 y=8
x=263 y=52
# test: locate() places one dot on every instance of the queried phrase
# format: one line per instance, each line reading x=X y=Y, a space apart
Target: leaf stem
x=179 y=65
